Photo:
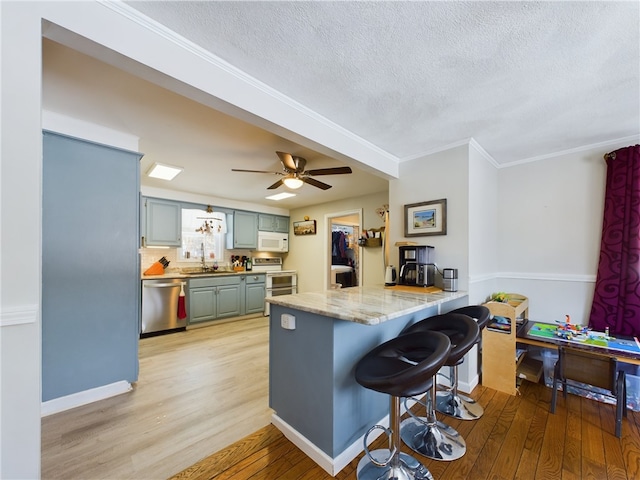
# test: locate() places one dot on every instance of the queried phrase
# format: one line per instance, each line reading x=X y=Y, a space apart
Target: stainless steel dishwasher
x=160 y=305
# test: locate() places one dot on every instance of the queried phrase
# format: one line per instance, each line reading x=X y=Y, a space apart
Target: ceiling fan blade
x=255 y=171
x=328 y=171
x=275 y=185
x=287 y=161
x=315 y=183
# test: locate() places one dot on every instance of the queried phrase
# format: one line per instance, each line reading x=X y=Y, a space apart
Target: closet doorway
x=344 y=260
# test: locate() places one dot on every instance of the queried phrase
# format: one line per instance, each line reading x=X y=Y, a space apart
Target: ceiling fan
x=295 y=175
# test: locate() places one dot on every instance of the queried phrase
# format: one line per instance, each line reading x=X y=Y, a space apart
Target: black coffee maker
x=417 y=265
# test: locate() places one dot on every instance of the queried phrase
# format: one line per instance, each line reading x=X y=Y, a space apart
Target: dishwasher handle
x=163 y=285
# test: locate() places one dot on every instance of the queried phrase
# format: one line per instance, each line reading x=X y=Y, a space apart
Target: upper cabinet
x=242 y=230
x=163 y=223
x=273 y=223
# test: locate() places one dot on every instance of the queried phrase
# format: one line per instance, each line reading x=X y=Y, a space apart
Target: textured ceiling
x=524 y=79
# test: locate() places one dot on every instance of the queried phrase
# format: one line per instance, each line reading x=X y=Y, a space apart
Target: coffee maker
x=417 y=265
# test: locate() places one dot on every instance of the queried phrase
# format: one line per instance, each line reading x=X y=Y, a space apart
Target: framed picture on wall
x=308 y=227
x=425 y=218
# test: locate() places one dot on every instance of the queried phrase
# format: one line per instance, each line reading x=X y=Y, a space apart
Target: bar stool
x=426 y=435
x=402 y=367
x=450 y=402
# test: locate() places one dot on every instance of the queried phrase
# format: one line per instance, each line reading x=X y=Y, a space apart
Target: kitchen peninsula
x=315 y=342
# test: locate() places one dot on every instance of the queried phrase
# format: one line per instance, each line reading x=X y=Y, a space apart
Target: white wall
x=549 y=223
x=441 y=175
x=483 y=224
x=308 y=253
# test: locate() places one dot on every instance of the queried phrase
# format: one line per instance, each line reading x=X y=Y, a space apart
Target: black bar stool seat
x=451 y=402
x=426 y=435
x=401 y=367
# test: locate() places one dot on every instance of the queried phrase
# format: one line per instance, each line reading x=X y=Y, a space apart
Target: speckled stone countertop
x=370 y=305
x=220 y=273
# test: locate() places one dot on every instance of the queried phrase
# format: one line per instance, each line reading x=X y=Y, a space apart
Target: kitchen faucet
x=204 y=265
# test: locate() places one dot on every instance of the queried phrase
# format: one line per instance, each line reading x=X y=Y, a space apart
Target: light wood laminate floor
x=198 y=392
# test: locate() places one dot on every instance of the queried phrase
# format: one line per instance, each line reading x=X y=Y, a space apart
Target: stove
x=267 y=264
x=278 y=281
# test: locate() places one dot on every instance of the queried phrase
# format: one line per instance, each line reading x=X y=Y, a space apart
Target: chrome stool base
x=409 y=468
x=433 y=440
x=458 y=406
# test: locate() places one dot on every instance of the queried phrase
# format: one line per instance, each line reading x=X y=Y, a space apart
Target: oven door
x=274 y=292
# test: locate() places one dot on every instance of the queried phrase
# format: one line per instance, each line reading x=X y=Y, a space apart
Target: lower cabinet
x=225 y=296
x=255 y=293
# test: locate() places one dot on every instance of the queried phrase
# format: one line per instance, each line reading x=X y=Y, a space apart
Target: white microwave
x=273 y=242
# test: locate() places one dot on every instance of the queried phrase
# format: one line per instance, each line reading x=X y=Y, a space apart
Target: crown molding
x=157 y=28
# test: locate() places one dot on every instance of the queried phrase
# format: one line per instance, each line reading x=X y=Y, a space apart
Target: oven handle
x=163 y=285
x=281 y=289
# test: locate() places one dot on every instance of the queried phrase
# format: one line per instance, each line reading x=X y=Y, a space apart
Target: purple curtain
x=616 y=299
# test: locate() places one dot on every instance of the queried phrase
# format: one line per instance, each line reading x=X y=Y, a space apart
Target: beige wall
x=309 y=254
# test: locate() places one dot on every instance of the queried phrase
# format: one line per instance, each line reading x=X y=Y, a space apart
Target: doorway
x=343 y=254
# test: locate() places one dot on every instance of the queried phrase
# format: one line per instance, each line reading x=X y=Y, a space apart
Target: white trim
x=74 y=127
x=390 y=164
x=19 y=315
x=467 y=387
x=330 y=465
x=82 y=398
x=478 y=148
x=333 y=466
x=553 y=277
x=593 y=146
x=444 y=148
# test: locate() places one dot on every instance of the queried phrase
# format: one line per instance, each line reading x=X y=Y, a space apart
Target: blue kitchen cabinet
x=229 y=298
x=273 y=223
x=163 y=223
x=242 y=230
x=254 y=293
x=90 y=265
x=215 y=297
x=202 y=304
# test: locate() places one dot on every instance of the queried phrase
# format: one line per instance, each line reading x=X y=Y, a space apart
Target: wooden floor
x=517 y=438
x=202 y=390
x=198 y=392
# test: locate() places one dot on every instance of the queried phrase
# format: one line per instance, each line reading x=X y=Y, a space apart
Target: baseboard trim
x=332 y=466
x=74 y=400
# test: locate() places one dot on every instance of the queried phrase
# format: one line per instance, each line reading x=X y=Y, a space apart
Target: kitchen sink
x=203 y=272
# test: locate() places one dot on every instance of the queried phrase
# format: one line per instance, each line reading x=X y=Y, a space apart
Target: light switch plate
x=288 y=321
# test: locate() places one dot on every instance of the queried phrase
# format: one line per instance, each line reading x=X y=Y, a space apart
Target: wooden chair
x=591 y=369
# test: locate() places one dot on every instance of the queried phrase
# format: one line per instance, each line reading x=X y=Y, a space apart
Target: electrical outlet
x=288 y=321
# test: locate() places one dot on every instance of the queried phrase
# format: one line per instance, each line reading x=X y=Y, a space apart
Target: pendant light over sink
x=295 y=174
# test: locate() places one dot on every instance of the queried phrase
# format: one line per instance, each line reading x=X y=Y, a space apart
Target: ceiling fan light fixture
x=293 y=182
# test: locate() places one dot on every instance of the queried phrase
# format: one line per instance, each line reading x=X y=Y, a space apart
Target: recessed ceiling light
x=293 y=182
x=164 y=172
x=280 y=196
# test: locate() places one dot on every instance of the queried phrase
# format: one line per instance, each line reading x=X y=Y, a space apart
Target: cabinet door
x=254 y=300
x=266 y=223
x=163 y=222
x=202 y=304
x=245 y=230
x=228 y=300
x=281 y=224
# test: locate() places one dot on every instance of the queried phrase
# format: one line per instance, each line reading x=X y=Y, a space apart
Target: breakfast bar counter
x=315 y=341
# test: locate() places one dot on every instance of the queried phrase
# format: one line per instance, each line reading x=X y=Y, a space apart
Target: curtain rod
x=611 y=156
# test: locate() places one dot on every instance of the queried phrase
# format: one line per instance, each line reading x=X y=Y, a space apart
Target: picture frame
x=425 y=218
x=307 y=227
